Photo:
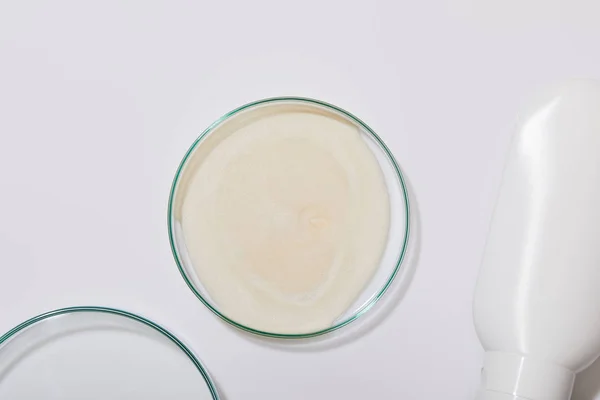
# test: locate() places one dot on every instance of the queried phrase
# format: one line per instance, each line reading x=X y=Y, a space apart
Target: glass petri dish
x=96 y=353
x=398 y=234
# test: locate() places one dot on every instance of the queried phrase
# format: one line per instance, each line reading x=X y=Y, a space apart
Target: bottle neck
x=508 y=376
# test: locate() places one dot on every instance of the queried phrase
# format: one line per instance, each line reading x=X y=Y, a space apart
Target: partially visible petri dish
x=255 y=115
x=97 y=353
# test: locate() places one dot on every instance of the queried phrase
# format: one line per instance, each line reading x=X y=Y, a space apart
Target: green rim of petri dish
x=363 y=308
x=83 y=309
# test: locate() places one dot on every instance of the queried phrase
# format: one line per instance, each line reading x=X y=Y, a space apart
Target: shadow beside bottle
x=587 y=383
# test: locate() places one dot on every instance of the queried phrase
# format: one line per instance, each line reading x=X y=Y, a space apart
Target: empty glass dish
x=95 y=353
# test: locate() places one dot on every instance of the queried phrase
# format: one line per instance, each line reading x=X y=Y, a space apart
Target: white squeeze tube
x=537 y=300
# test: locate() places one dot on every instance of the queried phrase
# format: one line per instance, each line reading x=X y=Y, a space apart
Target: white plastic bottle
x=537 y=301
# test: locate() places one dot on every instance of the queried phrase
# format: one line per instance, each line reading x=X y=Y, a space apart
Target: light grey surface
x=99 y=102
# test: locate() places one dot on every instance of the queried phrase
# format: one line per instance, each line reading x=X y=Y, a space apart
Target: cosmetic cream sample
x=285 y=219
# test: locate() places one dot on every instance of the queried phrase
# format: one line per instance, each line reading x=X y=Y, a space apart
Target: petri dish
x=232 y=123
x=96 y=353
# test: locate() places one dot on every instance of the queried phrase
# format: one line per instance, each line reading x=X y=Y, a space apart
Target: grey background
x=100 y=100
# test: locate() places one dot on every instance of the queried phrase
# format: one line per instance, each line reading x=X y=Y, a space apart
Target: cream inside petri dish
x=281 y=217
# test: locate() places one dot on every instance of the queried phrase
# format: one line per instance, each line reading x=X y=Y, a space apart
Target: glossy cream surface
x=285 y=218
